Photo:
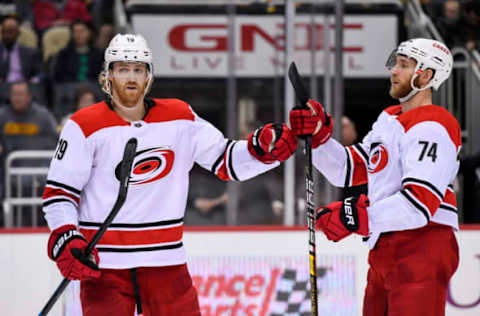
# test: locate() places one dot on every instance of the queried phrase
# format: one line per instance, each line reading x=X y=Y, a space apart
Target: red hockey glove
x=340 y=219
x=272 y=142
x=314 y=121
x=66 y=247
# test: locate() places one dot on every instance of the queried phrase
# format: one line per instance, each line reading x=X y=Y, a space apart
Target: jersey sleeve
x=342 y=166
x=429 y=164
x=227 y=159
x=69 y=172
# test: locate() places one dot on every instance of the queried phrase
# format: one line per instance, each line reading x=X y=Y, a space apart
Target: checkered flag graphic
x=293 y=296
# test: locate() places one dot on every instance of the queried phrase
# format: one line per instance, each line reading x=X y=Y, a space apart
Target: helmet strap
x=415 y=90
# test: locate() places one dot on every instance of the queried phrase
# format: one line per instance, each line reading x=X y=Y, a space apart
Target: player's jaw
x=129 y=93
x=399 y=87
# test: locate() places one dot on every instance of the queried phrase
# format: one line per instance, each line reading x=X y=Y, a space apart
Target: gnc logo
x=213 y=37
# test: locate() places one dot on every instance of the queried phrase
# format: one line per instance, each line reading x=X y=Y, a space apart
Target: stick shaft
x=127 y=161
x=303 y=95
x=310 y=210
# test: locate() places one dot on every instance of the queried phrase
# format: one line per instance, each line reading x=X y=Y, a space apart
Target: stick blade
x=127 y=161
x=300 y=90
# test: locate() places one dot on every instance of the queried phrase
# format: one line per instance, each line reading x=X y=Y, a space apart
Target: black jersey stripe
x=139 y=249
x=426 y=183
x=230 y=162
x=220 y=158
x=417 y=205
x=448 y=208
x=57 y=200
x=64 y=186
x=361 y=151
x=133 y=225
x=349 y=169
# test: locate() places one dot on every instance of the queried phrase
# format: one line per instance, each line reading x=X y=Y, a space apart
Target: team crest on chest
x=378 y=158
x=150 y=165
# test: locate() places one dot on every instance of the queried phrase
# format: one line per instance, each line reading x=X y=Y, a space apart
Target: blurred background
x=227 y=59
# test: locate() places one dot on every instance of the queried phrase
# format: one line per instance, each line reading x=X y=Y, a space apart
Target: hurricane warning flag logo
x=150 y=165
x=378 y=158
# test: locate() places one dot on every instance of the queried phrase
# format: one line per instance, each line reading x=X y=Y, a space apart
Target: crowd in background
x=51 y=53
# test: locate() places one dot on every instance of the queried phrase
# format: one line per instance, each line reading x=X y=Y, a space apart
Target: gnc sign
x=196 y=45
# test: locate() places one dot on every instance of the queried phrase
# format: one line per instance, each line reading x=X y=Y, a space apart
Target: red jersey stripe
x=136 y=238
x=169 y=110
x=50 y=192
x=164 y=110
x=222 y=172
x=425 y=196
x=88 y=118
x=433 y=113
x=450 y=198
x=359 y=168
x=394 y=110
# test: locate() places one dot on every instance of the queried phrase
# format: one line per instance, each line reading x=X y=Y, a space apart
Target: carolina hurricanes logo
x=150 y=165
x=378 y=158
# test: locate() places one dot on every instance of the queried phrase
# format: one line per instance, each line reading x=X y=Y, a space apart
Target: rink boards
x=239 y=271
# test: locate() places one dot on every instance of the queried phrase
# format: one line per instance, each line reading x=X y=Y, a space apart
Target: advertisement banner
x=196 y=45
x=274 y=286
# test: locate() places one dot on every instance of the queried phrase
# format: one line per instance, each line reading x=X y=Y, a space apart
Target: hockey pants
x=409 y=272
x=163 y=291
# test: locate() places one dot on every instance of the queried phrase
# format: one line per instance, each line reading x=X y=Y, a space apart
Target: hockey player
x=408 y=161
x=140 y=259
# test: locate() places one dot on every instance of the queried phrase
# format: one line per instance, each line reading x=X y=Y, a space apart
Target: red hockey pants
x=164 y=291
x=409 y=272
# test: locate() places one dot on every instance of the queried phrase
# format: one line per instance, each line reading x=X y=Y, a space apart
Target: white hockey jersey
x=82 y=183
x=409 y=162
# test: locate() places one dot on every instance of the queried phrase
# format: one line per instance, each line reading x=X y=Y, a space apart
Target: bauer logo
x=272 y=286
x=150 y=165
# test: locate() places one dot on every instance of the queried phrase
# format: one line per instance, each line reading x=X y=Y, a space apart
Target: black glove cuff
x=63 y=239
x=256 y=144
x=349 y=214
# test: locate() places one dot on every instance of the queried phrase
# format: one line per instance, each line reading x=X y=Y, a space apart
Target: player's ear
x=428 y=74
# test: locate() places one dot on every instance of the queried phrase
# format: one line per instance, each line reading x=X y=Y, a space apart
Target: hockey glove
x=313 y=121
x=272 y=142
x=340 y=219
x=66 y=247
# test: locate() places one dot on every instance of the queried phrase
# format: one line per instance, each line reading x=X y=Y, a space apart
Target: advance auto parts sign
x=273 y=286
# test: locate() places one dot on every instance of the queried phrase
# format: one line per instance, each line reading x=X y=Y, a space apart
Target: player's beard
x=400 y=90
x=128 y=97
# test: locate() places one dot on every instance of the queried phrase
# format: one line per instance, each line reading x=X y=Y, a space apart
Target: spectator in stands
x=18 y=62
x=470 y=25
x=76 y=10
x=80 y=60
x=257 y=205
x=84 y=96
x=105 y=35
x=349 y=132
x=46 y=15
x=25 y=124
x=206 y=203
x=449 y=23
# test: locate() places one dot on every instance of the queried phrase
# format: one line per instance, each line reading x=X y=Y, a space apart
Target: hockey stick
x=127 y=161
x=303 y=96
